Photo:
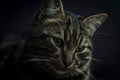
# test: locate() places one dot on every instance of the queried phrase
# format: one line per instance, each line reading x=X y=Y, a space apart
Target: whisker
x=94 y=59
x=102 y=34
x=36 y=59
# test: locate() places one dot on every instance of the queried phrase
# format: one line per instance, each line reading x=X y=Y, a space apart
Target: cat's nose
x=68 y=59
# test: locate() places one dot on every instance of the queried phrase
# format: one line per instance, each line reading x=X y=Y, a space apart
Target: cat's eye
x=80 y=48
x=58 y=42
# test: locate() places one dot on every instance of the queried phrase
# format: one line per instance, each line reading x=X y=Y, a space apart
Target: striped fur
x=60 y=46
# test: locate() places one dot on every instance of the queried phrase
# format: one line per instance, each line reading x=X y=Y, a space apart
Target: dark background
x=16 y=18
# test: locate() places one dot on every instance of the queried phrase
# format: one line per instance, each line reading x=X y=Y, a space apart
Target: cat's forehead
x=54 y=29
x=58 y=29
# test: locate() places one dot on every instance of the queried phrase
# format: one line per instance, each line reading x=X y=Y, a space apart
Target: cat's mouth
x=52 y=66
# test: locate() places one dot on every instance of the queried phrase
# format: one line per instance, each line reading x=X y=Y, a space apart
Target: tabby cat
x=59 y=44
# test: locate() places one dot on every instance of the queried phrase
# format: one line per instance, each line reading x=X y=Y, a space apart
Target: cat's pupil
x=58 y=42
x=80 y=48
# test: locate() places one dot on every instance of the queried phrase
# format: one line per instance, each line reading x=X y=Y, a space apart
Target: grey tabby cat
x=59 y=44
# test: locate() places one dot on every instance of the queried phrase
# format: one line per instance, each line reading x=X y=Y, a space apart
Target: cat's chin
x=69 y=73
x=51 y=67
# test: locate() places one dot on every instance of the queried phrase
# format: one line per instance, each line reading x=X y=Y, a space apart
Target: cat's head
x=59 y=43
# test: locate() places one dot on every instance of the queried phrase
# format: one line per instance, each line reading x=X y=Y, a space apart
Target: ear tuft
x=52 y=8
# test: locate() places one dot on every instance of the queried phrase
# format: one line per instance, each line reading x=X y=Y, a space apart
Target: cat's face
x=60 y=45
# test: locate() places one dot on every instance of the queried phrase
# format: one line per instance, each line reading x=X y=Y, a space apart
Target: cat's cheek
x=84 y=62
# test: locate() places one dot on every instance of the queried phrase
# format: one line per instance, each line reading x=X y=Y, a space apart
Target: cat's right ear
x=51 y=9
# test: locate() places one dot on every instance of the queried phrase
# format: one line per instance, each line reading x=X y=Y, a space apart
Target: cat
x=59 y=44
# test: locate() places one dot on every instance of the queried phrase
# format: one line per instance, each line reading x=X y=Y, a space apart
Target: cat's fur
x=59 y=45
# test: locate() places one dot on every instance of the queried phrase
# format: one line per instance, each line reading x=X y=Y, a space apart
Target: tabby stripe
x=85 y=50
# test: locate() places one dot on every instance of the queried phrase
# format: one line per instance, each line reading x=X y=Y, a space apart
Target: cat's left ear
x=94 y=21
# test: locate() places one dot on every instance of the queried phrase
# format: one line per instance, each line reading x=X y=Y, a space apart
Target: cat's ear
x=94 y=21
x=52 y=9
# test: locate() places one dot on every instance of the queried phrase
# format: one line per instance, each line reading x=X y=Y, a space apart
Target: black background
x=16 y=17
